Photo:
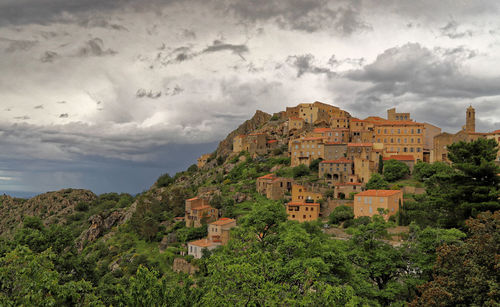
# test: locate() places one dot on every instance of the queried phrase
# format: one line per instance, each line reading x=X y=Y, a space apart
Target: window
x=381 y=200
x=385 y=131
x=399 y=131
x=371 y=210
x=418 y=131
x=411 y=149
x=293 y=215
x=304 y=216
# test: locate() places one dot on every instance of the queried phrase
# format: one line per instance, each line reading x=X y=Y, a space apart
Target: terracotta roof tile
x=359 y=144
x=322 y=130
x=223 y=221
x=202 y=243
x=268 y=176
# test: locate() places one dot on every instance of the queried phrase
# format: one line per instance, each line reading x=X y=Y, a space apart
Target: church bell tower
x=470 y=120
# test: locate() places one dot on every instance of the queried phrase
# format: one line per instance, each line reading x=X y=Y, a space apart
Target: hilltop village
x=346 y=152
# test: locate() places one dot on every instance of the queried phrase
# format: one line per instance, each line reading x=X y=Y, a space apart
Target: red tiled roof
x=335 y=143
x=380 y=193
x=374 y=118
x=272 y=141
x=241 y=136
x=296 y=203
x=401 y=158
x=223 y=221
x=201 y=243
x=322 y=130
x=341 y=160
x=357 y=120
x=268 y=176
x=257 y=133
x=194 y=198
x=495 y=132
x=359 y=144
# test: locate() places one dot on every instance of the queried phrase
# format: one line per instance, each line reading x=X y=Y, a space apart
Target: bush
x=193 y=168
x=395 y=170
x=81 y=206
x=274 y=118
x=377 y=182
x=300 y=171
x=314 y=166
x=340 y=214
x=164 y=180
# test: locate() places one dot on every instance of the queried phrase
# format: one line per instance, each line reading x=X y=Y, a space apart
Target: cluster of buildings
x=199 y=212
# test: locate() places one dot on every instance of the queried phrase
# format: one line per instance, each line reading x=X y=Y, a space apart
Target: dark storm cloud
x=303 y=15
x=18 y=12
x=305 y=64
x=413 y=69
x=49 y=57
x=18 y=45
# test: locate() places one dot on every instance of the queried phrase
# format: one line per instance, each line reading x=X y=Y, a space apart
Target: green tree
x=467 y=274
x=395 y=170
x=380 y=165
x=472 y=186
x=300 y=171
x=164 y=180
x=314 y=166
x=29 y=279
x=377 y=182
x=423 y=171
x=340 y=214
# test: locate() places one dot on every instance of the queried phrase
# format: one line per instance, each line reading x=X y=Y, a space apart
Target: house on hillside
x=198 y=212
x=303 y=211
x=273 y=187
x=218 y=234
x=368 y=202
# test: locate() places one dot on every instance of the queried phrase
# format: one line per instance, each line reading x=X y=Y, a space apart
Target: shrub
x=164 y=180
x=81 y=206
x=300 y=171
x=377 y=182
x=314 y=166
x=340 y=214
x=395 y=170
x=193 y=168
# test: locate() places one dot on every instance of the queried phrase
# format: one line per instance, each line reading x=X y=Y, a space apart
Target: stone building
x=257 y=143
x=340 y=122
x=334 y=171
x=198 y=212
x=334 y=150
x=302 y=211
x=344 y=189
x=361 y=131
x=467 y=134
x=239 y=143
x=364 y=168
x=392 y=115
x=368 y=202
x=495 y=135
x=359 y=150
x=295 y=123
x=274 y=187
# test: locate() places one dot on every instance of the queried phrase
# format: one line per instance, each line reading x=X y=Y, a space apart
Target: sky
x=109 y=94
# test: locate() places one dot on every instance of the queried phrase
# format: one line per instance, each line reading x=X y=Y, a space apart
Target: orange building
x=392 y=115
x=402 y=137
x=302 y=212
x=361 y=131
x=344 y=189
x=302 y=194
x=368 y=202
x=340 y=122
x=198 y=212
x=334 y=150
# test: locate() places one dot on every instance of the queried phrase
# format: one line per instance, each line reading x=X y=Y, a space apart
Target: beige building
x=340 y=122
x=368 y=202
x=202 y=160
x=361 y=131
x=318 y=111
x=392 y=115
x=218 y=234
x=274 y=187
x=430 y=132
x=302 y=212
x=344 y=189
x=295 y=123
x=402 y=137
x=359 y=150
x=364 y=168
x=257 y=143
x=302 y=194
x=467 y=134
x=239 y=143
x=199 y=212
x=305 y=150
x=335 y=170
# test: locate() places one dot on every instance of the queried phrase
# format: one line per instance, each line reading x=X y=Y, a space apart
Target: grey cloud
x=451 y=29
x=64 y=115
x=413 y=69
x=49 y=57
x=24 y=117
x=305 y=64
x=218 y=45
x=39 y=106
x=190 y=34
x=18 y=45
x=141 y=93
x=101 y=22
x=304 y=15
x=94 y=47
x=61 y=102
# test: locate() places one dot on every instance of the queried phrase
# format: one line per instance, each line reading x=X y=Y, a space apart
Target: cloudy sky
x=108 y=94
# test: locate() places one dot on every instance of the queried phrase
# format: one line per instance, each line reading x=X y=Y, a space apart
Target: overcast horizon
x=107 y=95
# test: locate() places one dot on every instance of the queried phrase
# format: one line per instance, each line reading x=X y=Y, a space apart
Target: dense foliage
x=395 y=170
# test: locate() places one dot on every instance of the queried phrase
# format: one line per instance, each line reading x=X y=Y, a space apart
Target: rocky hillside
x=51 y=207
